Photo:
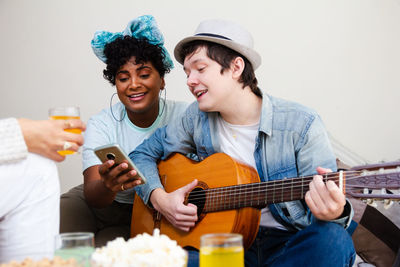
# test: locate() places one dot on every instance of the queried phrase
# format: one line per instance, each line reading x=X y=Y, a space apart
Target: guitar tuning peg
x=387 y=203
x=371 y=202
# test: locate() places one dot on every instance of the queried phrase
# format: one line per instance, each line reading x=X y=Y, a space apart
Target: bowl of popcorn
x=144 y=250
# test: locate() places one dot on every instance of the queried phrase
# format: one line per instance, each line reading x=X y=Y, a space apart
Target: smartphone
x=115 y=153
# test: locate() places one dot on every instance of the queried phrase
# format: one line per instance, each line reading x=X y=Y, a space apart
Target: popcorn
x=142 y=251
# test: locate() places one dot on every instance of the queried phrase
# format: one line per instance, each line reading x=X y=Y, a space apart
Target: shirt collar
x=266 y=115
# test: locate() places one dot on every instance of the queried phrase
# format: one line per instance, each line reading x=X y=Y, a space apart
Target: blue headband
x=139 y=28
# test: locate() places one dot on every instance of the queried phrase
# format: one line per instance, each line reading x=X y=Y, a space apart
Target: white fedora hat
x=226 y=33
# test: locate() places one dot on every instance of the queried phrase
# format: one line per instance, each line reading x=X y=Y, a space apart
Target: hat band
x=213 y=35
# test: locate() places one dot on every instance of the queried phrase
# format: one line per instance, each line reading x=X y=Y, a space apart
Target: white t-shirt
x=238 y=141
x=103 y=129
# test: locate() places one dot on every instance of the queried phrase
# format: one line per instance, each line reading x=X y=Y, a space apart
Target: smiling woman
x=136 y=64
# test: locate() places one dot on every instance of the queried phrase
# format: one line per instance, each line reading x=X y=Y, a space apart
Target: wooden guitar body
x=216 y=171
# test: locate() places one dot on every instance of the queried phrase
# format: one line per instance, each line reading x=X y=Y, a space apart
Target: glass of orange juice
x=221 y=249
x=65 y=113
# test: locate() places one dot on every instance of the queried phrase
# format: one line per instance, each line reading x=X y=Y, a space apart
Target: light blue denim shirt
x=291 y=142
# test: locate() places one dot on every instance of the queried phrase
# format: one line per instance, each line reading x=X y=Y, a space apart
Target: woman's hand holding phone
x=117 y=178
x=117 y=171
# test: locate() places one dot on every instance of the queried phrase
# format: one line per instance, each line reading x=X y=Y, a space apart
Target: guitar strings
x=274 y=187
x=269 y=193
x=294 y=183
x=213 y=202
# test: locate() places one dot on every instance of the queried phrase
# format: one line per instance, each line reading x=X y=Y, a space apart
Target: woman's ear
x=237 y=67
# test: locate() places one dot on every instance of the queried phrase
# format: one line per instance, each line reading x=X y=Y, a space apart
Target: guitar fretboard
x=261 y=194
x=256 y=195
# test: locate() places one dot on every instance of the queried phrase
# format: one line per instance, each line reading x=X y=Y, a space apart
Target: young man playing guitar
x=280 y=139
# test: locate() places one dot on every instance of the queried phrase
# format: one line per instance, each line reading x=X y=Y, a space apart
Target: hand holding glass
x=223 y=249
x=66 y=113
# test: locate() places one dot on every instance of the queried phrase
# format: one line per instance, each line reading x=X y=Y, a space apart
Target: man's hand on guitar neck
x=171 y=206
x=325 y=200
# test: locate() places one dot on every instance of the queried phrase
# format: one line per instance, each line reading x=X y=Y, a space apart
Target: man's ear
x=237 y=67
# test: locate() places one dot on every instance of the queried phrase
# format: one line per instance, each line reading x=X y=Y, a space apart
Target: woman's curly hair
x=122 y=49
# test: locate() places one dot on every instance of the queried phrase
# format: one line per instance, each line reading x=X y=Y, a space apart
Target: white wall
x=341 y=57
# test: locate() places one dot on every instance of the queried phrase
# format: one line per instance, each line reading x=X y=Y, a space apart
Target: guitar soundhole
x=198 y=198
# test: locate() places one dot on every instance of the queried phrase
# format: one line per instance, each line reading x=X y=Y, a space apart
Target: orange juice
x=76 y=131
x=221 y=256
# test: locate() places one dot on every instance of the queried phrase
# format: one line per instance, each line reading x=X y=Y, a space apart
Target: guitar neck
x=256 y=194
x=261 y=194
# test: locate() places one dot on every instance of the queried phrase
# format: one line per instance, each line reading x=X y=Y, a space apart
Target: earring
x=112 y=113
x=164 y=100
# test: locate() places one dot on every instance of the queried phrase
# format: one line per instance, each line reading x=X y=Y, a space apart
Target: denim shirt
x=291 y=142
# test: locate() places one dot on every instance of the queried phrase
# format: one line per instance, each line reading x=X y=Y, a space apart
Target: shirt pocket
x=279 y=172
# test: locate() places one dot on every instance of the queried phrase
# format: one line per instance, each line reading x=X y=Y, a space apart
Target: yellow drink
x=76 y=131
x=221 y=256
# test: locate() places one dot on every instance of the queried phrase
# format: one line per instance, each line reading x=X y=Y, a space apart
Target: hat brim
x=250 y=54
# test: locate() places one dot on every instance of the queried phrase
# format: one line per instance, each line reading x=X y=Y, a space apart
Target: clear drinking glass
x=65 y=113
x=221 y=249
x=76 y=245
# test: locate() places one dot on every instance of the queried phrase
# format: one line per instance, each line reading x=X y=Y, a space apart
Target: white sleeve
x=12 y=143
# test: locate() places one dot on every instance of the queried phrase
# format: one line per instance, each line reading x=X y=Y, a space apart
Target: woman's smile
x=137 y=97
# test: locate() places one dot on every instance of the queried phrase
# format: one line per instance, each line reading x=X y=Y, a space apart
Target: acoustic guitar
x=229 y=195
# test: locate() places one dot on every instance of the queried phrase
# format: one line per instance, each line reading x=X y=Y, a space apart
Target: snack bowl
x=142 y=250
x=46 y=259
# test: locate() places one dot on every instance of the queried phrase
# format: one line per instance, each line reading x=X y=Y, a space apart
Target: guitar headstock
x=375 y=182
